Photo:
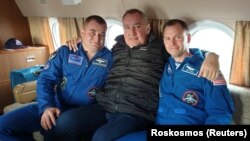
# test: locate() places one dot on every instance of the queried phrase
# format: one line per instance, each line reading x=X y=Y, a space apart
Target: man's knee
x=2 y=123
x=66 y=127
x=4 y=128
x=101 y=135
x=63 y=123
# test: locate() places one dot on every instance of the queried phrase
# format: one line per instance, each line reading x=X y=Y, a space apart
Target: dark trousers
x=18 y=125
x=94 y=122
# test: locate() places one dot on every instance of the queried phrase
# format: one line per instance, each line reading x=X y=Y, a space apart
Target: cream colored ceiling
x=162 y=9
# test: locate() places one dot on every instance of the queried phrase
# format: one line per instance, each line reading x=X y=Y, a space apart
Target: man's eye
x=138 y=26
x=92 y=33
x=178 y=37
x=166 y=39
x=126 y=27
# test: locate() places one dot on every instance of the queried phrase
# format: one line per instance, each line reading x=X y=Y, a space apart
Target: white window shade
x=215 y=37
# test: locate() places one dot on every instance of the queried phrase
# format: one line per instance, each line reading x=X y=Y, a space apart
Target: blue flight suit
x=187 y=99
x=77 y=78
x=68 y=80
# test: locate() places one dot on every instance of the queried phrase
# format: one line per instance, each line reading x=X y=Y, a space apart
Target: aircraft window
x=54 y=28
x=114 y=29
x=215 y=37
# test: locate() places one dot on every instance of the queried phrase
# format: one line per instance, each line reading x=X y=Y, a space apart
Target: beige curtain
x=157 y=26
x=240 y=70
x=40 y=32
x=69 y=28
x=79 y=23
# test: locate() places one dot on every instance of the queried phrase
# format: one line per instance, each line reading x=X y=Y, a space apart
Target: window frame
x=110 y=22
x=199 y=25
x=209 y=24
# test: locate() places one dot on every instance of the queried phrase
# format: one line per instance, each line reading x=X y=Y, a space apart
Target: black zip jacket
x=133 y=83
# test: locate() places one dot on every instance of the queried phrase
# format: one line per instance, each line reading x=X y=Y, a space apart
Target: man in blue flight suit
x=69 y=80
x=184 y=98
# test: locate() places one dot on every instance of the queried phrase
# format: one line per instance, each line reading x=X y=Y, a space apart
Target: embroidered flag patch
x=220 y=80
x=46 y=66
x=74 y=59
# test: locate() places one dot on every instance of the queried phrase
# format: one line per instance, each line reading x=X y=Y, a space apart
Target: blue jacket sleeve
x=48 y=79
x=219 y=104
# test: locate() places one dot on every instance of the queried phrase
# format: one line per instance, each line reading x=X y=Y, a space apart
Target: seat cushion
x=37 y=136
x=25 y=92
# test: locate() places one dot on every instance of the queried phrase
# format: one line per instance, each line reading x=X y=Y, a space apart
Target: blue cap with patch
x=13 y=43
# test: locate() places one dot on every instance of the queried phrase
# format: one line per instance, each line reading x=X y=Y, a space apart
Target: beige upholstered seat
x=241 y=97
x=24 y=94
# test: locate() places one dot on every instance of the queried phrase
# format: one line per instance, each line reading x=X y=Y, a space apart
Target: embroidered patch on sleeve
x=53 y=55
x=93 y=92
x=220 y=80
x=190 y=97
x=46 y=66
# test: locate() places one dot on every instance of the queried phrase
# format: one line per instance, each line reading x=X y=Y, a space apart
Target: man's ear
x=82 y=31
x=148 y=28
x=188 y=37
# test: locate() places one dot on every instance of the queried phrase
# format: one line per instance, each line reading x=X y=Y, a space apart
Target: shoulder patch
x=190 y=97
x=46 y=66
x=220 y=80
x=53 y=55
x=93 y=92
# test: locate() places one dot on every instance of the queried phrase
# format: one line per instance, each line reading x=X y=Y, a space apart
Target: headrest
x=13 y=43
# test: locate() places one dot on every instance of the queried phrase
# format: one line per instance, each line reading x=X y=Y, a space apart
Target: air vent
x=42 y=2
x=71 y=2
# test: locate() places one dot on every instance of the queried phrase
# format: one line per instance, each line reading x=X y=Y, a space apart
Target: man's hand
x=73 y=44
x=210 y=67
x=49 y=117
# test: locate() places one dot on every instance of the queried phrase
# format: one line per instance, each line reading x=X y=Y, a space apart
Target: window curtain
x=69 y=28
x=40 y=32
x=157 y=26
x=240 y=70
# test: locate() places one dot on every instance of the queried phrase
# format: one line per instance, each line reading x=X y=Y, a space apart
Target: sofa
x=25 y=93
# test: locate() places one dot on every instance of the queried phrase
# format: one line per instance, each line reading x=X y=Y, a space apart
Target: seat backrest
x=24 y=75
x=25 y=92
x=241 y=98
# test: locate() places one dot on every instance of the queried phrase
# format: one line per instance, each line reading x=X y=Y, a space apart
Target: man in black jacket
x=129 y=100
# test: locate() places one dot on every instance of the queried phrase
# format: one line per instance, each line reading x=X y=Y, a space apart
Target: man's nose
x=172 y=41
x=133 y=31
x=97 y=37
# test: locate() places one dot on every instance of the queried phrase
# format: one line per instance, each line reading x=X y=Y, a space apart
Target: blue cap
x=13 y=43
